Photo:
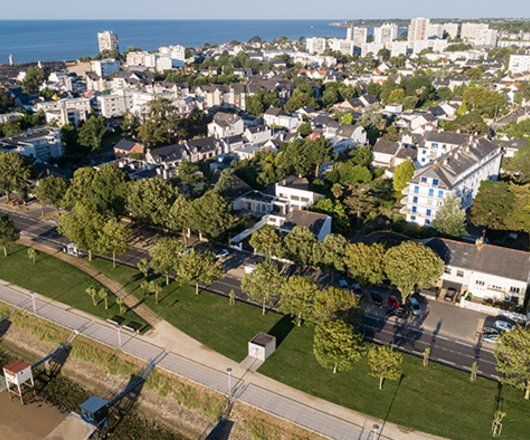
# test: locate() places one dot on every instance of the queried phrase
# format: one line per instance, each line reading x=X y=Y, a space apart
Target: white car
x=249 y=268
x=504 y=325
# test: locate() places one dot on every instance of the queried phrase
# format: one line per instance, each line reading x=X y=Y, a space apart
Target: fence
x=494 y=311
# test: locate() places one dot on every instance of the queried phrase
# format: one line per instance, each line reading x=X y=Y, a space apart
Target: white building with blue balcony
x=459 y=172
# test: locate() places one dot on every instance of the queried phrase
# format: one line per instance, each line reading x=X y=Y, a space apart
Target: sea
x=63 y=40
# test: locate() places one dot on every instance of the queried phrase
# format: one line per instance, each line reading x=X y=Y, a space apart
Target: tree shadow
x=391 y=404
x=281 y=329
x=5 y=323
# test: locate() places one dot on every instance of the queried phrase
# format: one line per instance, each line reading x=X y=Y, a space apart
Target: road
x=445 y=348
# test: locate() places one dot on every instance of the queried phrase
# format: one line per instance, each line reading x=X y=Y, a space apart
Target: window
x=434 y=145
x=427 y=222
x=413 y=218
x=435 y=182
x=414 y=209
x=460 y=273
x=424 y=180
x=414 y=199
x=416 y=189
x=431 y=192
x=440 y=193
x=423 y=151
x=447 y=271
x=514 y=289
x=429 y=212
x=479 y=283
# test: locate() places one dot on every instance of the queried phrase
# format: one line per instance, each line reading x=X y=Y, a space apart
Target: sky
x=262 y=9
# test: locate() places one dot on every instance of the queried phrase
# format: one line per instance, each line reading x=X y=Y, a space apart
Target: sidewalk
x=187 y=357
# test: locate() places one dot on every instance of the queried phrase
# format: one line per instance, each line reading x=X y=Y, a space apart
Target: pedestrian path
x=208 y=368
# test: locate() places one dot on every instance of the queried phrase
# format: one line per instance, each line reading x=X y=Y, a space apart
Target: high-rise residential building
x=435 y=30
x=359 y=36
x=315 y=45
x=479 y=34
x=451 y=29
x=418 y=29
x=108 y=40
x=349 y=33
x=386 y=33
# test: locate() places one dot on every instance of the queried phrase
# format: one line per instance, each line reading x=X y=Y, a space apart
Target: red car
x=393 y=302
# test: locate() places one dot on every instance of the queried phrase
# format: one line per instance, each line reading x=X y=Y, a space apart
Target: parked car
x=393 y=302
x=402 y=311
x=490 y=337
x=222 y=254
x=15 y=202
x=377 y=298
x=249 y=268
x=414 y=305
x=504 y=324
x=358 y=291
x=353 y=287
x=450 y=294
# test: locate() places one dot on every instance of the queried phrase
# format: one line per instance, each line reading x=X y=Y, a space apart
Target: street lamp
x=229 y=371
x=375 y=431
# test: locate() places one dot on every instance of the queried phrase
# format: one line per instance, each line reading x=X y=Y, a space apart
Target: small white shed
x=261 y=346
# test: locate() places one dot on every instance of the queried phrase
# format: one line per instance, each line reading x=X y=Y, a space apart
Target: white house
x=459 y=172
x=485 y=271
x=105 y=67
x=519 y=64
x=277 y=117
x=226 y=125
x=66 y=111
x=258 y=134
x=41 y=143
x=295 y=190
x=437 y=143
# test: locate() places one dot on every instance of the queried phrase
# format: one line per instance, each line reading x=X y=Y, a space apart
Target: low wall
x=494 y=311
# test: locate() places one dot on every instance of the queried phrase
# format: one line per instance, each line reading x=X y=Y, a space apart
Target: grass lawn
x=206 y=317
x=436 y=399
x=56 y=279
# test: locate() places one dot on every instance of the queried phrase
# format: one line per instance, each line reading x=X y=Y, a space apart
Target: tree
x=8 y=233
x=178 y=216
x=165 y=256
x=402 y=175
x=92 y=132
x=262 y=284
x=149 y=201
x=267 y=241
x=333 y=251
x=412 y=264
x=113 y=239
x=384 y=363
x=144 y=266
x=92 y=292
x=365 y=263
x=300 y=244
x=231 y=297
x=104 y=295
x=82 y=225
x=198 y=268
x=513 y=359
x=80 y=189
x=451 y=218
x=471 y=124
x=152 y=288
x=337 y=346
x=51 y=190
x=300 y=98
x=34 y=78
x=109 y=190
x=492 y=205
x=32 y=255
x=297 y=298
x=121 y=305
x=520 y=164
x=14 y=173
x=210 y=214
x=129 y=125
x=332 y=303
x=484 y=102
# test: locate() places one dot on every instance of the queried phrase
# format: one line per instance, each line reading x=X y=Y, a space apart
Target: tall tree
x=519 y=165
x=165 y=255
x=113 y=239
x=384 y=363
x=80 y=189
x=333 y=251
x=300 y=244
x=14 y=173
x=263 y=284
x=513 y=359
x=297 y=298
x=178 y=216
x=412 y=264
x=8 y=232
x=109 y=190
x=267 y=241
x=92 y=132
x=332 y=303
x=149 y=201
x=51 y=190
x=197 y=268
x=300 y=98
x=82 y=225
x=35 y=77
x=402 y=175
x=210 y=214
x=337 y=346
x=365 y=263
x=451 y=218
x=492 y=205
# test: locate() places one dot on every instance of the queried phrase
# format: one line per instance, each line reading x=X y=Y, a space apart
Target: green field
x=206 y=317
x=436 y=399
x=58 y=280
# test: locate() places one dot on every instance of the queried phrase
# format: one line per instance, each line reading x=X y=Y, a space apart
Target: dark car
x=450 y=294
x=377 y=298
x=401 y=311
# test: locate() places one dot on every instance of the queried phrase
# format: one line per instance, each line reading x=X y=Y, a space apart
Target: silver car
x=504 y=325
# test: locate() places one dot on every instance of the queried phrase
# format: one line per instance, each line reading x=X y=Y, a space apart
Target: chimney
x=479 y=243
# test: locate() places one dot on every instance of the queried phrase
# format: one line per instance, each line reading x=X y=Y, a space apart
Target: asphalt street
x=408 y=337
